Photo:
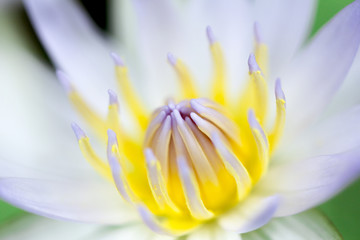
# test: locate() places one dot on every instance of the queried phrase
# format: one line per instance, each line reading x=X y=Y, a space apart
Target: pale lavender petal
x=284 y=26
x=332 y=135
x=64 y=80
x=128 y=232
x=302 y=185
x=232 y=24
x=258 y=33
x=75 y=46
x=308 y=225
x=316 y=74
x=40 y=228
x=250 y=214
x=163 y=26
x=348 y=95
x=155 y=31
x=36 y=137
x=79 y=201
x=211 y=231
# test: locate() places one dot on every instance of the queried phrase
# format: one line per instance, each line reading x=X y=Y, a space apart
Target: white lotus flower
x=210 y=163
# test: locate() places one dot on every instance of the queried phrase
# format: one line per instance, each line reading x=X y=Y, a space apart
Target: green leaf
x=7 y=211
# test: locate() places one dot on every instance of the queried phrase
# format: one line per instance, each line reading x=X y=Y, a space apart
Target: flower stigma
x=194 y=158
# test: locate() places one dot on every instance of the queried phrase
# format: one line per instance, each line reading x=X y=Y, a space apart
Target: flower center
x=192 y=160
x=195 y=149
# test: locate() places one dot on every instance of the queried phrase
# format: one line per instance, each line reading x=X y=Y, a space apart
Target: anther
x=210 y=35
x=79 y=133
x=253 y=66
x=117 y=59
x=113 y=99
x=171 y=58
x=279 y=93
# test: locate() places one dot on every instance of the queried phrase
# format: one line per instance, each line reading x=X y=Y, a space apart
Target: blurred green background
x=343 y=210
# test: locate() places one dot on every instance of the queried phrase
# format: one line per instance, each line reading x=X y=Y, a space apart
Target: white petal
x=212 y=232
x=348 y=95
x=40 y=228
x=68 y=200
x=318 y=71
x=163 y=26
x=75 y=46
x=308 y=225
x=128 y=232
x=232 y=23
x=252 y=213
x=284 y=26
x=304 y=184
x=156 y=30
x=36 y=137
x=333 y=135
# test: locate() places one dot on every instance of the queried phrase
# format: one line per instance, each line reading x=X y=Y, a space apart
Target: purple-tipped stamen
x=171 y=104
x=151 y=221
x=183 y=165
x=197 y=106
x=112 y=140
x=253 y=66
x=258 y=33
x=254 y=124
x=116 y=170
x=79 y=133
x=113 y=99
x=252 y=120
x=210 y=35
x=64 y=80
x=149 y=156
x=172 y=59
x=117 y=59
x=279 y=93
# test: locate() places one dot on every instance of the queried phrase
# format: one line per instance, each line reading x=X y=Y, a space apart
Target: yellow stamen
x=91 y=117
x=113 y=115
x=279 y=125
x=261 y=50
x=192 y=191
x=262 y=144
x=260 y=93
x=261 y=54
x=256 y=95
x=94 y=160
x=218 y=87
x=157 y=183
x=186 y=81
x=234 y=166
x=130 y=96
x=200 y=160
x=118 y=170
